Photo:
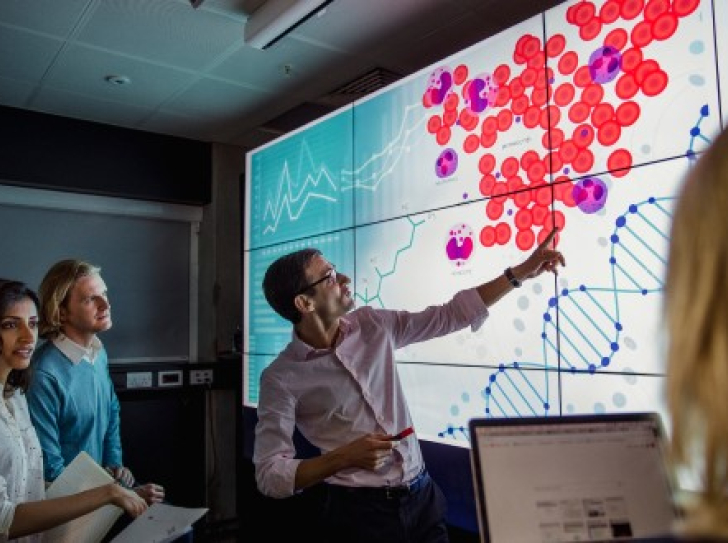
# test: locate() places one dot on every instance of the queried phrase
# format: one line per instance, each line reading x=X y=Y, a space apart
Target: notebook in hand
x=571 y=478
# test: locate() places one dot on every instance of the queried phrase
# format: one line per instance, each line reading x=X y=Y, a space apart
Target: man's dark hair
x=285 y=278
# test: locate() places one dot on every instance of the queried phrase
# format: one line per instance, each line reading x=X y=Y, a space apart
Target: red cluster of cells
x=523 y=98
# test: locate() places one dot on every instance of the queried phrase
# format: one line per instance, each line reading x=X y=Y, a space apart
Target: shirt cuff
x=7 y=514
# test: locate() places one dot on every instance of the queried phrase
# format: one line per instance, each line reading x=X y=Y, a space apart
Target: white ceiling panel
x=83 y=70
x=167 y=31
x=55 y=17
x=193 y=76
x=24 y=55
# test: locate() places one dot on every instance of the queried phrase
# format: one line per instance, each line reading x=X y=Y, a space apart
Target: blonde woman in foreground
x=696 y=312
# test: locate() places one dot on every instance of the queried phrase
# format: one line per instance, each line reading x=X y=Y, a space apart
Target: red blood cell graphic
x=592 y=94
x=609 y=11
x=528 y=158
x=583 y=136
x=579 y=112
x=568 y=151
x=682 y=8
x=654 y=83
x=555 y=45
x=532 y=117
x=499 y=192
x=525 y=240
x=644 y=69
x=655 y=8
x=631 y=9
x=642 y=34
x=443 y=135
x=626 y=86
x=602 y=113
x=460 y=74
x=557 y=137
x=487 y=182
x=595 y=91
x=584 y=161
x=564 y=94
x=539 y=97
x=502 y=233
x=501 y=74
x=591 y=30
x=664 y=26
x=486 y=163
x=631 y=59
x=509 y=167
x=434 y=124
x=555 y=163
x=468 y=120
x=568 y=63
x=487 y=236
x=584 y=13
x=494 y=210
x=488 y=140
x=582 y=78
x=627 y=113
x=539 y=214
x=536 y=171
x=514 y=183
x=619 y=162
x=449 y=117
x=617 y=39
x=522 y=199
x=505 y=120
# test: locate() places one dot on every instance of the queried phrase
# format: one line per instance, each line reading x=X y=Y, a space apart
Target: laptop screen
x=572 y=478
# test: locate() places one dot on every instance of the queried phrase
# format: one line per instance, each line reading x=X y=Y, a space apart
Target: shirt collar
x=303 y=351
x=75 y=352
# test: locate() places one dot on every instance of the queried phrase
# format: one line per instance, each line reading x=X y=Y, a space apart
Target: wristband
x=512 y=278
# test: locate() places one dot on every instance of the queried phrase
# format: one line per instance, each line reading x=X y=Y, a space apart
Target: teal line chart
x=368 y=299
x=589 y=325
x=318 y=183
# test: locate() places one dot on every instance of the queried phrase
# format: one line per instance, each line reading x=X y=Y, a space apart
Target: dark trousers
x=380 y=515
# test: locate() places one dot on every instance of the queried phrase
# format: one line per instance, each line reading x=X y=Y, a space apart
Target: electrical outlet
x=200 y=377
x=139 y=379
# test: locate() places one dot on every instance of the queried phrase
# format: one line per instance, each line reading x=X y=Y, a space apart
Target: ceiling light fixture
x=117 y=80
x=276 y=18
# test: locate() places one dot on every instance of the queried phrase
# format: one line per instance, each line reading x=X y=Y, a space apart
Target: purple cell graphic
x=590 y=194
x=480 y=93
x=604 y=64
x=459 y=246
x=439 y=86
x=446 y=163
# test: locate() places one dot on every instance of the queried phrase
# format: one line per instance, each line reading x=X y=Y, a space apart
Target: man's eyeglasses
x=330 y=279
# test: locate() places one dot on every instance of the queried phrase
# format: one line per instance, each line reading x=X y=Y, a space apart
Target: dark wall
x=51 y=152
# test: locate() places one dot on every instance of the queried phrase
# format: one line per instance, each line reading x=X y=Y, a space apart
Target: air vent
x=297 y=116
x=373 y=80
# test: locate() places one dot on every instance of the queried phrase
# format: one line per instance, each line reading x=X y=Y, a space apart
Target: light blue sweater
x=74 y=408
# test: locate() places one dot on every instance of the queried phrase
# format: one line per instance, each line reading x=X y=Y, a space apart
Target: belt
x=385 y=492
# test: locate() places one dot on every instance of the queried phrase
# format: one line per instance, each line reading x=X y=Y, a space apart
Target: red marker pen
x=403 y=434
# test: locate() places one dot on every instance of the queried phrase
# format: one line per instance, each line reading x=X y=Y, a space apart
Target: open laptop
x=571 y=478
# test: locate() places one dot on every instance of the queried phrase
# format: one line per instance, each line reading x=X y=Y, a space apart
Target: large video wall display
x=586 y=117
